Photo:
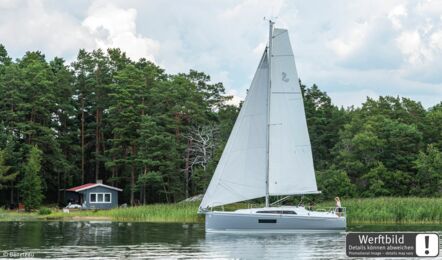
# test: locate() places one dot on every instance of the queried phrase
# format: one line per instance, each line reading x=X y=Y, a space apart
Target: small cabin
x=94 y=196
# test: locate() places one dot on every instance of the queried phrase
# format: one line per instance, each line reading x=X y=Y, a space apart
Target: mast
x=269 y=53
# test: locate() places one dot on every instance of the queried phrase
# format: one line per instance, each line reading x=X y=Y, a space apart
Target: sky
x=350 y=49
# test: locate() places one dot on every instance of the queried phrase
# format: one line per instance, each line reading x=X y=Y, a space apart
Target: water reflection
x=103 y=239
x=272 y=246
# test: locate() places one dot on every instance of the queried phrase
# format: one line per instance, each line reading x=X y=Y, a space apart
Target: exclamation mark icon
x=427 y=242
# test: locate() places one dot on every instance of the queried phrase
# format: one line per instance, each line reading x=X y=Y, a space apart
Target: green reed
x=392 y=210
x=384 y=210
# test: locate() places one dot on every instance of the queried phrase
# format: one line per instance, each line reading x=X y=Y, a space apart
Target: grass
x=391 y=210
x=178 y=212
x=385 y=210
x=11 y=215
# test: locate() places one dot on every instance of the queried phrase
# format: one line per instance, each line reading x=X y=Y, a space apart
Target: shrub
x=333 y=182
x=44 y=211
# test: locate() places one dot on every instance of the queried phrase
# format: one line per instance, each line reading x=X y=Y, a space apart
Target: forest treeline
x=159 y=136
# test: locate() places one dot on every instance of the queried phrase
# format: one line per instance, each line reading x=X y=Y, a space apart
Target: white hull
x=283 y=220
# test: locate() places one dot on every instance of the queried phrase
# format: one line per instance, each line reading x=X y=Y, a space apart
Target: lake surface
x=116 y=240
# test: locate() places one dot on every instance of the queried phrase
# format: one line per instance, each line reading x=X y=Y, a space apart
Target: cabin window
x=266 y=220
x=100 y=197
x=277 y=212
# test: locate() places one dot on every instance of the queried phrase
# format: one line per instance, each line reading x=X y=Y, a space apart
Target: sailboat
x=268 y=153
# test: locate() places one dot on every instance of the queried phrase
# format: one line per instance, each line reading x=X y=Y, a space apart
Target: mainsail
x=241 y=173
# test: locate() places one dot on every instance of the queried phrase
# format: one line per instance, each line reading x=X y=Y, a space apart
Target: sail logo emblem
x=284 y=77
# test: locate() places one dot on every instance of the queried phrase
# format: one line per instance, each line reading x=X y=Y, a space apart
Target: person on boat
x=338 y=209
x=311 y=204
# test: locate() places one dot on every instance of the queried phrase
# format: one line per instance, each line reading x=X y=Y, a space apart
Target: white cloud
x=410 y=44
x=352 y=98
x=29 y=25
x=113 y=27
x=436 y=40
x=422 y=52
x=429 y=7
x=236 y=98
x=347 y=44
x=396 y=15
x=58 y=33
x=8 y=4
x=347 y=47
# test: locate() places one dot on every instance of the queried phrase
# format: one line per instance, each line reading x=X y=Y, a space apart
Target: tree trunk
x=82 y=140
x=64 y=188
x=58 y=187
x=144 y=194
x=165 y=193
x=12 y=193
x=132 y=185
x=97 y=145
x=114 y=170
x=132 y=176
x=187 y=167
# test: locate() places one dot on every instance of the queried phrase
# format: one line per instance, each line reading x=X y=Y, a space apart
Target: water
x=116 y=240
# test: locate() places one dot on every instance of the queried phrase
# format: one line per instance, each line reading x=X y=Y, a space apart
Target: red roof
x=81 y=187
x=91 y=185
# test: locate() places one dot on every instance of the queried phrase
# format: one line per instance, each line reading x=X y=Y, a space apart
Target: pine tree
x=31 y=186
x=102 y=78
x=157 y=153
x=6 y=175
x=84 y=87
x=125 y=118
x=65 y=124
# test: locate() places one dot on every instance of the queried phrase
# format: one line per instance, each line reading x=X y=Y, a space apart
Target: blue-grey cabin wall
x=89 y=205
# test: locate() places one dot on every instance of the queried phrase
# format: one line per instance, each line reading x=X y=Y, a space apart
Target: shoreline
x=360 y=211
x=110 y=219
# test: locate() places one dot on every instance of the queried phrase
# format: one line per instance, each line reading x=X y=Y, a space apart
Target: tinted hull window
x=266 y=220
